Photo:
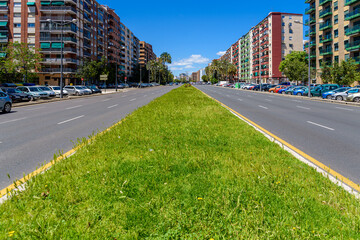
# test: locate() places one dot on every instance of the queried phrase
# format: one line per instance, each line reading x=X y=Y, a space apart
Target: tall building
x=334 y=32
x=146 y=53
x=258 y=53
x=91 y=31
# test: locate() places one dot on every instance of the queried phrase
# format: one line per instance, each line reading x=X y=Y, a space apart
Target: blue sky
x=194 y=31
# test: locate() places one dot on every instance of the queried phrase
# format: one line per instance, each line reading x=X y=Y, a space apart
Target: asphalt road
x=31 y=135
x=328 y=132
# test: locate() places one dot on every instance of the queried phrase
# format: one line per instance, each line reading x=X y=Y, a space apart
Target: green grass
x=181 y=167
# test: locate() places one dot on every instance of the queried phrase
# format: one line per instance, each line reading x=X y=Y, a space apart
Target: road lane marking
x=240 y=99
x=145 y=95
x=69 y=120
x=345 y=108
x=105 y=100
x=263 y=107
x=74 y=107
x=113 y=106
x=268 y=100
x=303 y=107
x=296 y=101
x=132 y=99
x=14 y=120
x=319 y=125
x=228 y=95
x=271 y=96
x=34 y=108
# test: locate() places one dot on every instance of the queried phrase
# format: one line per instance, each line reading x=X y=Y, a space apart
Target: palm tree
x=231 y=70
x=165 y=58
x=150 y=67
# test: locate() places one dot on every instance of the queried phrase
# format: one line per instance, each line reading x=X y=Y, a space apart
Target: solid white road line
x=69 y=120
x=14 y=120
x=74 y=107
x=133 y=99
x=113 y=106
x=263 y=107
x=240 y=99
x=303 y=107
x=34 y=108
x=105 y=100
x=347 y=109
x=319 y=125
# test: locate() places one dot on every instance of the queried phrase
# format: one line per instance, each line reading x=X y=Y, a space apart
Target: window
x=17 y=15
x=291 y=45
x=336 y=19
x=17 y=4
x=290 y=17
x=336 y=47
x=336 y=59
x=336 y=33
x=335 y=5
x=17 y=25
x=290 y=38
x=290 y=31
x=17 y=35
x=31 y=25
x=283 y=24
x=290 y=24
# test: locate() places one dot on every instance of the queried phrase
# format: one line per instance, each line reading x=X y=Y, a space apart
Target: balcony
x=56 y=18
x=327 y=51
x=310 y=9
x=57 y=28
x=58 y=50
x=352 y=15
x=4 y=8
x=4 y=18
x=325 y=26
x=322 y=2
x=312 y=44
x=310 y=21
x=58 y=9
x=312 y=32
x=325 y=13
x=353 y=30
x=352 y=46
x=58 y=39
x=57 y=61
x=350 y=2
x=57 y=70
x=326 y=39
x=4 y=40
x=357 y=59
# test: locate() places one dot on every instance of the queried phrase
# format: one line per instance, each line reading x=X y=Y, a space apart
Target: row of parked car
x=326 y=91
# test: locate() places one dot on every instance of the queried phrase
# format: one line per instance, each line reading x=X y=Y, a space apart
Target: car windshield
x=45 y=88
x=79 y=88
x=353 y=91
x=34 y=89
x=11 y=90
x=56 y=88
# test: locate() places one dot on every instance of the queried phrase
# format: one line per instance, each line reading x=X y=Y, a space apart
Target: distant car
x=74 y=90
x=94 y=89
x=57 y=90
x=340 y=96
x=50 y=92
x=330 y=94
x=87 y=91
x=34 y=92
x=299 y=91
x=354 y=97
x=16 y=95
x=5 y=102
x=258 y=87
x=277 y=88
x=290 y=90
x=9 y=85
x=319 y=90
x=267 y=88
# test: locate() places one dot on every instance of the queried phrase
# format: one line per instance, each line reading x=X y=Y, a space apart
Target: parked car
x=94 y=89
x=9 y=85
x=5 y=102
x=283 y=91
x=330 y=94
x=87 y=91
x=319 y=90
x=50 y=92
x=34 y=92
x=74 y=90
x=300 y=91
x=266 y=88
x=353 y=97
x=257 y=87
x=277 y=88
x=16 y=95
x=343 y=95
x=56 y=89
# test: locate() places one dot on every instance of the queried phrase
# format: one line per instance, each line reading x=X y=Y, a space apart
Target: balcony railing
x=352 y=30
x=310 y=9
x=58 y=8
x=56 y=18
x=58 y=60
x=322 y=2
x=57 y=70
x=353 y=46
x=58 y=39
x=58 y=28
x=324 y=26
x=325 y=12
x=349 y=2
x=65 y=49
x=325 y=39
x=326 y=51
x=353 y=14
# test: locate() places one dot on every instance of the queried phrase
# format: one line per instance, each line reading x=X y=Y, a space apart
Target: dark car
x=9 y=85
x=16 y=95
x=266 y=88
x=257 y=87
x=94 y=89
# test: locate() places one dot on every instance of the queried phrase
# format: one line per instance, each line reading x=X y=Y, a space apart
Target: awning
x=31 y=4
x=3 y=35
x=3 y=4
x=44 y=45
x=45 y=3
x=3 y=24
x=57 y=3
x=56 y=45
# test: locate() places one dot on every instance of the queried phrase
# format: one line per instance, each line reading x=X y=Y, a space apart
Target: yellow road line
x=48 y=165
x=337 y=175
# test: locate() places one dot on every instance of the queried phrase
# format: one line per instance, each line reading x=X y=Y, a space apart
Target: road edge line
x=326 y=171
x=18 y=185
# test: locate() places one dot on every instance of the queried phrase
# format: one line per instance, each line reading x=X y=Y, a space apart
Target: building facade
x=90 y=32
x=257 y=54
x=146 y=53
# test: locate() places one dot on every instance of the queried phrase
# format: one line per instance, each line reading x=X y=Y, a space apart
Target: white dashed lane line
x=303 y=107
x=296 y=101
x=319 y=125
x=69 y=120
x=74 y=107
x=14 y=120
x=132 y=99
x=347 y=109
x=105 y=100
x=263 y=107
x=113 y=106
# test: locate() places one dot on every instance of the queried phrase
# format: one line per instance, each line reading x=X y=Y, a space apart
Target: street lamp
x=62 y=24
x=309 y=64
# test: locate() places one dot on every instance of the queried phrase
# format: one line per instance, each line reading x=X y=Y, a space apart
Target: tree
x=231 y=70
x=349 y=73
x=91 y=70
x=21 y=59
x=326 y=74
x=205 y=78
x=295 y=66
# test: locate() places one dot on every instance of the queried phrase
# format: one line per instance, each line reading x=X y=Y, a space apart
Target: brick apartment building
x=146 y=53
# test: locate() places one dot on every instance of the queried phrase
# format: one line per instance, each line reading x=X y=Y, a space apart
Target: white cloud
x=221 y=53
x=193 y=59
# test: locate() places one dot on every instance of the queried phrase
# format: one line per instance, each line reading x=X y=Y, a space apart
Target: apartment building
x=334 y=32
x=91 y=31
x=258 y=53
x=146 y=53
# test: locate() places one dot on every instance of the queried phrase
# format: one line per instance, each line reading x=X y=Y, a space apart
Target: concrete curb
x=315 y=99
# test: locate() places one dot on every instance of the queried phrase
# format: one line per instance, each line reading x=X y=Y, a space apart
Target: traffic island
x=182 y=167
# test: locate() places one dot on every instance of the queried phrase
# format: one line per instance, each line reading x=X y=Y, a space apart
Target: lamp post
x=62 y=24
x=309 y=63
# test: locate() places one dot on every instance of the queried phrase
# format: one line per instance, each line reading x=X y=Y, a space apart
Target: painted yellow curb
x=8 y=189
x=340 y=177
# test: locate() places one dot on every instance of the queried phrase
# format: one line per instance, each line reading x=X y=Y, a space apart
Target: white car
x=74 y=90
x=49 y=91
x=56 y=89
x=87 y=91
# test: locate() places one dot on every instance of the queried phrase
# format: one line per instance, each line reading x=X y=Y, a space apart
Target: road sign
x=103 y=77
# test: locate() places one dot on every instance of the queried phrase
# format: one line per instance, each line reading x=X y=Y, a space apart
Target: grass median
x=182 y=167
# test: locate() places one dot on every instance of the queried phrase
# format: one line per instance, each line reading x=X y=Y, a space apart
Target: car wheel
x=32 y=98
x=283 y=93
x=299 y=94
x=77 y=94
x=357 y=99
x=328 y=97
x=339 y=98
x=272 y=91
x=7 y=108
